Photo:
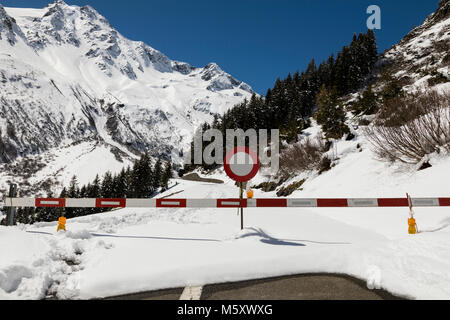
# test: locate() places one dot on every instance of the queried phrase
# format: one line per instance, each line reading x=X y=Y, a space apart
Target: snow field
x=135 y=250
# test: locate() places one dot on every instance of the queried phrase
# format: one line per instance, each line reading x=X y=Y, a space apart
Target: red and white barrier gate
x=224 y=203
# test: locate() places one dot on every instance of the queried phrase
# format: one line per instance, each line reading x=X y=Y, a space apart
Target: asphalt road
x=300 y=287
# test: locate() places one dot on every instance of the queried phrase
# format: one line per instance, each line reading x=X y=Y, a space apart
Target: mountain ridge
x=68 y=77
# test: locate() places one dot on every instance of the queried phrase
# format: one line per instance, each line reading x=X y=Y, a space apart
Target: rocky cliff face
x=424 y=53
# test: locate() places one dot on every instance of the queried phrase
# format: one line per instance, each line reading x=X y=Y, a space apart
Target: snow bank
x=134 y=250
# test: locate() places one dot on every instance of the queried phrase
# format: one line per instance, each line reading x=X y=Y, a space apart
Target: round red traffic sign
x=241 y=164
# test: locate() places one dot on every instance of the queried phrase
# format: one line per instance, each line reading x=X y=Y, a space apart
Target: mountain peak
x=8 y=27
x=83 y=80
x=443 y=11
x=211 y=70
x=57 y=3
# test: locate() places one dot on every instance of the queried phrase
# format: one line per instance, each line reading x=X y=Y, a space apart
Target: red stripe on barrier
x=171 y=203
x=444 y=202
x=271 y=203
x=332 y=203
x=231 y=203
x=50 y=203
x=393 y=202
x=110 y=203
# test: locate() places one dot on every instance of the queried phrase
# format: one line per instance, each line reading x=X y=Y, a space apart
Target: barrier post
x=412 y=225
x=11 y=210
x=61 y=221
x=241 y=197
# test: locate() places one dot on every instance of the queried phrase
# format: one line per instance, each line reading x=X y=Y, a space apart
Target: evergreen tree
x=157 y=174
x=167 y=175
x=120 y=185
x=107 y=187
x=73 y=193
x=293 y=99
x=46 y=214
x=142 y=178
x=94 y=191
x=371 y=48
x=83 y=192
x=366 y=104
x=330 y=115
x=63 y=193
x=26 y=216
x=392 y=89
x=129 y=184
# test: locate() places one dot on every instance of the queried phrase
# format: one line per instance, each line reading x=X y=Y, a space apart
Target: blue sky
x=256 y=41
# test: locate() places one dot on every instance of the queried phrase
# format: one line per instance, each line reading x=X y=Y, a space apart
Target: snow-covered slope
x=356 y=169
x=135 y=250
x=163 y=248
x=424 y=52
x=67 y=76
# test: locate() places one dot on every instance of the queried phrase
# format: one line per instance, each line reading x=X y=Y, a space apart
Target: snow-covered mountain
x=424 y=53
x=75 y=93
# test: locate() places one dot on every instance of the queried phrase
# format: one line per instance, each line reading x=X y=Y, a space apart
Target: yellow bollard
x=62 y=224
x=411 y=221
x=250 y=194
x=412 y=226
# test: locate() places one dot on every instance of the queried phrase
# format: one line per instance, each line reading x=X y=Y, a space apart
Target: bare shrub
x=267 y=186
x=302 y=156
x=324 y=165
x=288 y=190
x=412 y=127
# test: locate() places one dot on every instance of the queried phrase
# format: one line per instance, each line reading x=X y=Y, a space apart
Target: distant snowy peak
x=8 y=27
x=83 y=27
x=221 y=80
x=68 y=78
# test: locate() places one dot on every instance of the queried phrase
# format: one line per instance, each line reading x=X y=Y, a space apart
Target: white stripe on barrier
x=50 y=203
x=230 y=203
x=110 y=203
x=20 y=202
x=251 y=203
x=306 y=203
x=141 y=203
x=362 y=202
x=171 y=203
x=425 y=202
x=201 y=203
x=80 y=203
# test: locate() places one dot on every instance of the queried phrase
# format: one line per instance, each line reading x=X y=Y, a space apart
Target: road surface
x=299 y=287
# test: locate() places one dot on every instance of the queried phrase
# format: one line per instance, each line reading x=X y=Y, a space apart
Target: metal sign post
x=241 y=165
x=11 y=210
x=241 y=196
